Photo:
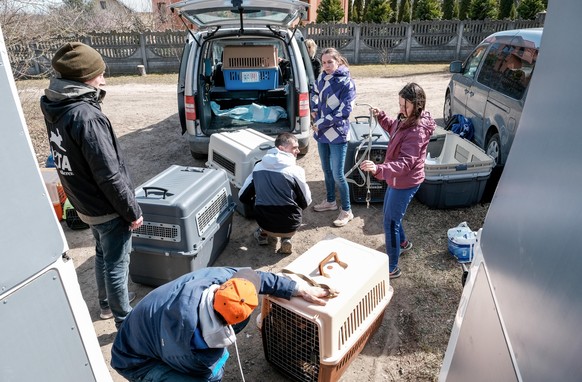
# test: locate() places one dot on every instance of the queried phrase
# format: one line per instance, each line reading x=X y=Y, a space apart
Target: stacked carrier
x=187 y=214
x=370 y=144
x=309 y=342
x=236 y=153
x=250 y=67
x=456 y=172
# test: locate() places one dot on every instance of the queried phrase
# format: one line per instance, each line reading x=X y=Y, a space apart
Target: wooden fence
x=160 y=52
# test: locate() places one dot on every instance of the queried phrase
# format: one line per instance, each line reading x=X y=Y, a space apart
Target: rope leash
x=366 y=155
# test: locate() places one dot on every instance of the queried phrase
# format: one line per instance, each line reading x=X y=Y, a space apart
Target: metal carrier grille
x=224 y=162
x=209 y=213
x=292 y=343
x=361 y=312
x=158 y=231
x=377 y=187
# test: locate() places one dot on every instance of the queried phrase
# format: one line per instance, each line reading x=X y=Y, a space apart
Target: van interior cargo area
x=228 y=99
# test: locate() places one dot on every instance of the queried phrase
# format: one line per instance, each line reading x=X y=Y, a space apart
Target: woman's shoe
x=325 y=206
x=343 y=218
x=395 y=273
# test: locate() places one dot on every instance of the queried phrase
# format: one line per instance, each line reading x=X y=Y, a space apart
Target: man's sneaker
x=325 y=206
x=286 y=247
x=262 y=238
x=405 y=246
x=343 y=218
x=395 y=273
x=106 y=313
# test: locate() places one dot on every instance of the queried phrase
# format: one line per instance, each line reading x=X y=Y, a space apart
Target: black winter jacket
x=86 y=151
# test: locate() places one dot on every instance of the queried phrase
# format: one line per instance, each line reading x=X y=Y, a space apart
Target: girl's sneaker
x=405 y=246
x=325 y=206
x=395 y=273
x=343 y=218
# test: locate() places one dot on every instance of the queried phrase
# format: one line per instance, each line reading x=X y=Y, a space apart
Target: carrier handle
x=164 y=190
x=331 y=292
x=366 y=117
x=335 y=258
x=193 y=169
x=265 y=146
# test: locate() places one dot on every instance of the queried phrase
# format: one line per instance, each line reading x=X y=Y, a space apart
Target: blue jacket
x=280 y=190
x=332 y=100
x=161 y=326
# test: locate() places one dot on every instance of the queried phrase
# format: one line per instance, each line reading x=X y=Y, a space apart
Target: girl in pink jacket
x=403 y=167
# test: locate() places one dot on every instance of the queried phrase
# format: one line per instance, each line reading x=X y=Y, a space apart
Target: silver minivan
x=245 y=55
x=490 y=87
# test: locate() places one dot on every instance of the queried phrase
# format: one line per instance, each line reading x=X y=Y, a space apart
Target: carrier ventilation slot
x=248 y=62
x=292 y=343
x=158 y=231
x=461 y=154
x=361 y=313
x=224 y=162
x=210 y=212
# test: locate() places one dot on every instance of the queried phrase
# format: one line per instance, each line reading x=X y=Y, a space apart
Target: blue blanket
x=252 y=112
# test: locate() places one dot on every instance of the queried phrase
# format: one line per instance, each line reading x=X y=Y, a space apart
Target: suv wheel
x=493 y=148
x=447 y=112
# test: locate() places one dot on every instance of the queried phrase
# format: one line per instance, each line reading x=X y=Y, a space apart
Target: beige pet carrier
x=307 y=342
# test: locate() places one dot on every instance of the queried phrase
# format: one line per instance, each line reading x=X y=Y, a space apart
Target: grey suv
x=245 y=55
x=490 y=87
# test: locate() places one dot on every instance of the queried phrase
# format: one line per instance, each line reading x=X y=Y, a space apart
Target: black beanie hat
x=78 y=62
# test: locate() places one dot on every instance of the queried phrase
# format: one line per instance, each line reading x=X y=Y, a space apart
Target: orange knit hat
x=235 y=300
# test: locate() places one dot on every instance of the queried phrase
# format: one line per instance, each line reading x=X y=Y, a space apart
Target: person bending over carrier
x=180 y=331
x=280 y=193
x=403 y=167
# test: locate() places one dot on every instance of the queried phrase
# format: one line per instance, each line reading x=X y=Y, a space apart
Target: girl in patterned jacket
x=331 y=105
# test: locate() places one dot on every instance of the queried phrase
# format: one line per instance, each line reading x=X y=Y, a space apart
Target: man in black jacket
x=92 y=169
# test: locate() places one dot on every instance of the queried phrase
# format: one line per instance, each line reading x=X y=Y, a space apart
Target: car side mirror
x=456 y=67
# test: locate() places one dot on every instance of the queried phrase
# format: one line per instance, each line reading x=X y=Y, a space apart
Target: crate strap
x=331 y=293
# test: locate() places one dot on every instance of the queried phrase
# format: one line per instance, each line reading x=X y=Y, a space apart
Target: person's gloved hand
x=315 y=295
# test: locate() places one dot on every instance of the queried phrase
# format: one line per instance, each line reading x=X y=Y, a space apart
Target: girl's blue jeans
x=333 y=159
x=395 y=204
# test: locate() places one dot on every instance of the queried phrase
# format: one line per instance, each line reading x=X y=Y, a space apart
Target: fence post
x=408 y=43
x=142 y=48
x=460 y=28
x=357 y=43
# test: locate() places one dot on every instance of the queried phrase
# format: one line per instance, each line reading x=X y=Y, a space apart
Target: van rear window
x=508 y=68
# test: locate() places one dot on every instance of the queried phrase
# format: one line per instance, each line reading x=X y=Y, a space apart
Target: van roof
x=529 y=37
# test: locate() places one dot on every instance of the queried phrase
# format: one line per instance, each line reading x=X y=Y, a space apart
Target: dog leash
x=331 y=293
x=366 y=155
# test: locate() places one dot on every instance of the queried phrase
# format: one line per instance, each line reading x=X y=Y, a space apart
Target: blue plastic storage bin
x=251 y=79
